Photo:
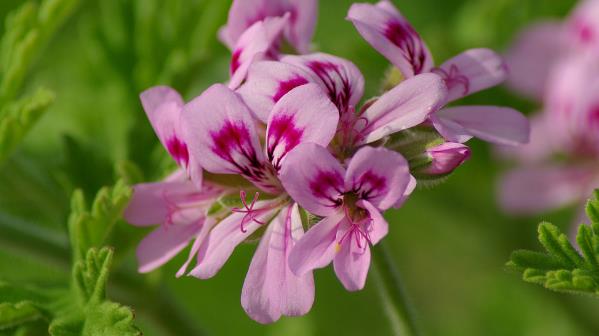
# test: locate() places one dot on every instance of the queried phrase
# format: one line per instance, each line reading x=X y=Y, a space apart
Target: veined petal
x=472 y=71
x=151 y=203
x=380 y=184
x=162 y=244
x=340 y=78
x=500 y=125
x=267 y=82
x=378 y=227
x=270 y=288
x=405 y=106
x=304 y=14
x=222 y=135
x=351 y=264
x=303 y=115
x=209 y=223
x=225 y=237
x=256 y=43
x=392 y=35
x=163 y=106
x=533 y=55
x=317 y=247
x=313 y=178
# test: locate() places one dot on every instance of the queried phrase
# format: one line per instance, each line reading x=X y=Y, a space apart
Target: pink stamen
x=250 y=212
x=356 y=227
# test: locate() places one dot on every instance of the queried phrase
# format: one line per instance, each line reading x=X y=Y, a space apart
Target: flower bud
x=445 y=158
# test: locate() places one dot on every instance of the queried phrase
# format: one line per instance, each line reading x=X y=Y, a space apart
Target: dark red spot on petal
x=336 y=81
x=369 y=185
x=403 y=35
x=178 y=150
x=288 y=85
x=328 y=185
x=282 y=132
x=235 y=62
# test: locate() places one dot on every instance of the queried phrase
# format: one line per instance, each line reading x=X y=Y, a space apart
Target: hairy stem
x=393 y=295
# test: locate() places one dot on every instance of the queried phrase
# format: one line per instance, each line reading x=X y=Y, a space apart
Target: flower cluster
x=557 y=63
x=285 y=154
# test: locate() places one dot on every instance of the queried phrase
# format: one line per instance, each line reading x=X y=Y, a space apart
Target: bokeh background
x=449 y=242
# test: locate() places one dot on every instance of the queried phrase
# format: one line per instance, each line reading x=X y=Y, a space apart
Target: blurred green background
x=450 y=242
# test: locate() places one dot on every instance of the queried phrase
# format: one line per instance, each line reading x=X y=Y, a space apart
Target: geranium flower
x=383 y=26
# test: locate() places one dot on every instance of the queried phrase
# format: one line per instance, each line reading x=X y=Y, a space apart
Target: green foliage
x=90 y=227
x=19 y=117
x=28 y=30
x=562 y=268
x=81 y=307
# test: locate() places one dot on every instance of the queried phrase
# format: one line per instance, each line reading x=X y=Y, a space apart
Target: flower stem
x=397 y=306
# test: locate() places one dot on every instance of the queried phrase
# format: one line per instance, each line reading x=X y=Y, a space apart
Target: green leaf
x=14 y=314
x=92 y=314
x=91 y=227
x=19 y=117
x=562 y=268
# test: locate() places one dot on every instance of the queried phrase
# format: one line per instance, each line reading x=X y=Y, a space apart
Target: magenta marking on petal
x=369 y=185
x=178 y=150
x=407 y=39
x=235 y=62
x=288 y=85
x=454 y=78
x=326 y=71
x=282 y=129
x=585 y=32
x=235 y=138
x=326 y=181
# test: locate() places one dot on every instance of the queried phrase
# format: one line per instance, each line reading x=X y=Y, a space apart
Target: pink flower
x=559 y=166
x=407 y=105
x=350 y=200
x=244 y=13
x=256 y=29
x=471 y=71
x=222 y=132
x=176 y=203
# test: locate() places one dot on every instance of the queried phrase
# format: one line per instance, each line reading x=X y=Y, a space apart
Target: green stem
x=391 y=290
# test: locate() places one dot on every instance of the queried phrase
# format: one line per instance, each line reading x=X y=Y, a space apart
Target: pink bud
x=446 y=157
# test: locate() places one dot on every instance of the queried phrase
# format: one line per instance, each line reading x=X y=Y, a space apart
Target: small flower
x=471 y=71
x=350 y=200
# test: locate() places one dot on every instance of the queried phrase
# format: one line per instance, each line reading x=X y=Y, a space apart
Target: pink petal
x=293 y=121
x=405 y=106
x=409 y=189
x=163 y=106
x=537 y=189
x=351 y=264
x=256 y=43
x=532 y=56
x=150 y=202
x=267 y=82
x=162 y=244
x=317 y=247
x=500 y=125
x=379 y=227
x=392 y=35
x=245 y=13
x=583 y=26
x=222 y=136
x=472 y=71
x=209 y=223
x=380 y=184
x=313 y=178
x=224 y=238
x=270 y=288
x=304 y=14
x=340 y=78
